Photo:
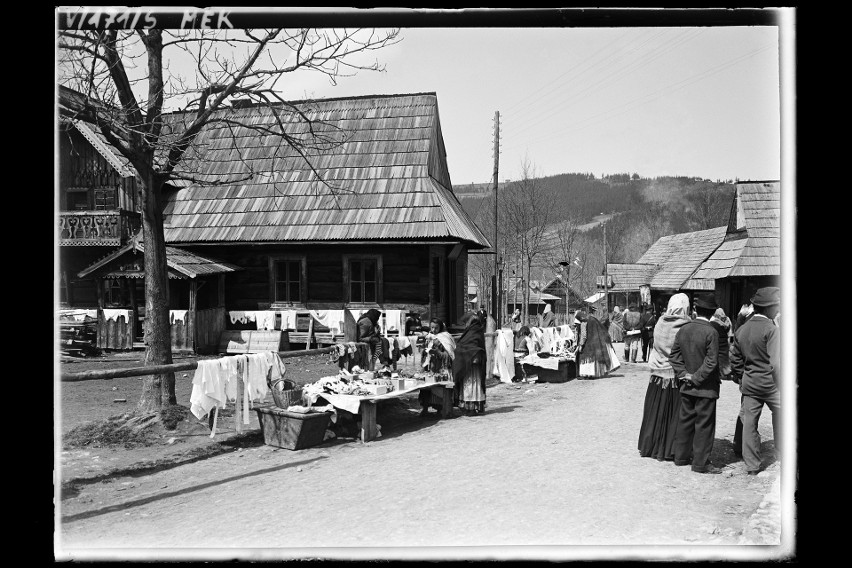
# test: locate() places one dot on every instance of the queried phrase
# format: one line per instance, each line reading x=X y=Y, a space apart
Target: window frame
x=347 y=279
x=273 y=280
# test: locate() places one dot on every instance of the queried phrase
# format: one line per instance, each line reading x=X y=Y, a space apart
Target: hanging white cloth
x=237 y=316
x=265 y=320
x=394 y=321
x=504 y=360
x=288 y=319
x=254 y=381
x=208 y=387
x=276 y=366
x=177 y=315
x=110 y=314
x=332 y=319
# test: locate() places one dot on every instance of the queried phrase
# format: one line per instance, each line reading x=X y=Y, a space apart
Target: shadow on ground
x=723 y=453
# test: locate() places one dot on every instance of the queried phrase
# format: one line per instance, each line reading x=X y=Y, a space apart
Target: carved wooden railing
x=97 y=228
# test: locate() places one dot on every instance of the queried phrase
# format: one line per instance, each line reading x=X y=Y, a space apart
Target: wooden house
x=750 y=255
x=568 y=299
x=733 y=261
x=97 y=208
x=369 y=220
x=514 y=299
x=668 y=267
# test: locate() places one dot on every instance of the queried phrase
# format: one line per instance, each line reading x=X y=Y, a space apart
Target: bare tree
x=708 y=207
x=562 y=251
x=527 y=212
x=122 y=82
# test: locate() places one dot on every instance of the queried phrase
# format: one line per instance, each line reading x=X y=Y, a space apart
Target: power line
x=642 y=60
x=642 y=99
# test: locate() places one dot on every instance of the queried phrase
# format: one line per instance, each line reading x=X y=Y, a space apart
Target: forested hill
x=653 y=207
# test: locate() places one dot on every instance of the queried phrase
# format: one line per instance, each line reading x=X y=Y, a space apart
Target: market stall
x=547 y=354
x=359 y=393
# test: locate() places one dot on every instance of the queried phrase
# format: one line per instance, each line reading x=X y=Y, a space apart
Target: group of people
x=463 y=359
x=635 y=327
x=693 y=351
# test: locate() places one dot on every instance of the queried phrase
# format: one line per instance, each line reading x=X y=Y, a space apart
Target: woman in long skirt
x=616 y=325
x=469 y=366
x=595 y=356
x=662 y=399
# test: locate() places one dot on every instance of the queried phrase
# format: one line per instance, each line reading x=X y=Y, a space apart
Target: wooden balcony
x=97 y=228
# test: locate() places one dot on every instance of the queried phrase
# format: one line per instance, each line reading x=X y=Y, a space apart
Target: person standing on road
x=631 y=333
x=755 y=359
x=722 y=325
x=695 y=360
x=469 y=366
x=548 y=318
x=646 y=326
x=616 y=327
x=662 y=399
x=595 y=356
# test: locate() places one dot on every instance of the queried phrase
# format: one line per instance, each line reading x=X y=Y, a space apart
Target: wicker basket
x=285 y=393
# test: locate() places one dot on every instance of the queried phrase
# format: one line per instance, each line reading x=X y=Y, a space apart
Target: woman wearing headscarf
x=469 y=366
x=439 y=354
x=368 y=332
x=595 y=356
x=616 y=325
x=548 y=318
x=662 y=399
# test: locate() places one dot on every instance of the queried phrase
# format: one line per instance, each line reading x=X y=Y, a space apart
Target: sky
x=657 y=101
x=700 y=101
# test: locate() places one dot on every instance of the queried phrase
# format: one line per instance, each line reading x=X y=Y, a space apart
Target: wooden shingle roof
x=385 y=156
x=112 y=156
x=628 y=277
x=753 y=244
x=181 y=263
x=680 y=255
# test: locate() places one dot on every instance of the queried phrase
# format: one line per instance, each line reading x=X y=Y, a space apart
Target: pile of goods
x=365 y=384
x=562 y=347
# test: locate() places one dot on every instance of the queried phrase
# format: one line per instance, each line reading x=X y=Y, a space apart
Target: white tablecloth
x=551 y=363
x=352 y=403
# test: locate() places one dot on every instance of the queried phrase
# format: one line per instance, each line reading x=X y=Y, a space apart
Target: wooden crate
x=252 y=341
x=292 y=430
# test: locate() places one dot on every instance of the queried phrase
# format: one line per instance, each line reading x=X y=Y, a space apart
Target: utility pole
x=496 y=307
x=606 y=273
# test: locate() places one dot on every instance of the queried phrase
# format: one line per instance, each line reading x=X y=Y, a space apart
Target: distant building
x=750 y=256
x=733 y=261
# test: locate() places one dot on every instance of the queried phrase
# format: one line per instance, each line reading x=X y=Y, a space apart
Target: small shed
x=196 y=296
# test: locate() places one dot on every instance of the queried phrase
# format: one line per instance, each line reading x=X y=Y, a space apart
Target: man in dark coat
x=755 y=361
x=646 y=326
x=694 y=359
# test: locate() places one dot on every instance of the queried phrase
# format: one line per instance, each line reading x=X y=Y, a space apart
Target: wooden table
x=367 y=404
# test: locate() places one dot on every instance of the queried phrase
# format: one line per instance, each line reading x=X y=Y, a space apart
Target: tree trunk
x=157 y=390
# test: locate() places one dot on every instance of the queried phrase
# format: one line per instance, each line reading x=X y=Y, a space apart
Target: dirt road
x=546 y=465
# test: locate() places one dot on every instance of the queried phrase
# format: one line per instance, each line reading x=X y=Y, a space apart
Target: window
x=113 y=292
x=364 y=280
x=287 y=275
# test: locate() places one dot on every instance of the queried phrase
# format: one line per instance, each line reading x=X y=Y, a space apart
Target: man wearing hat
x=694 y=359
x=755 y=360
